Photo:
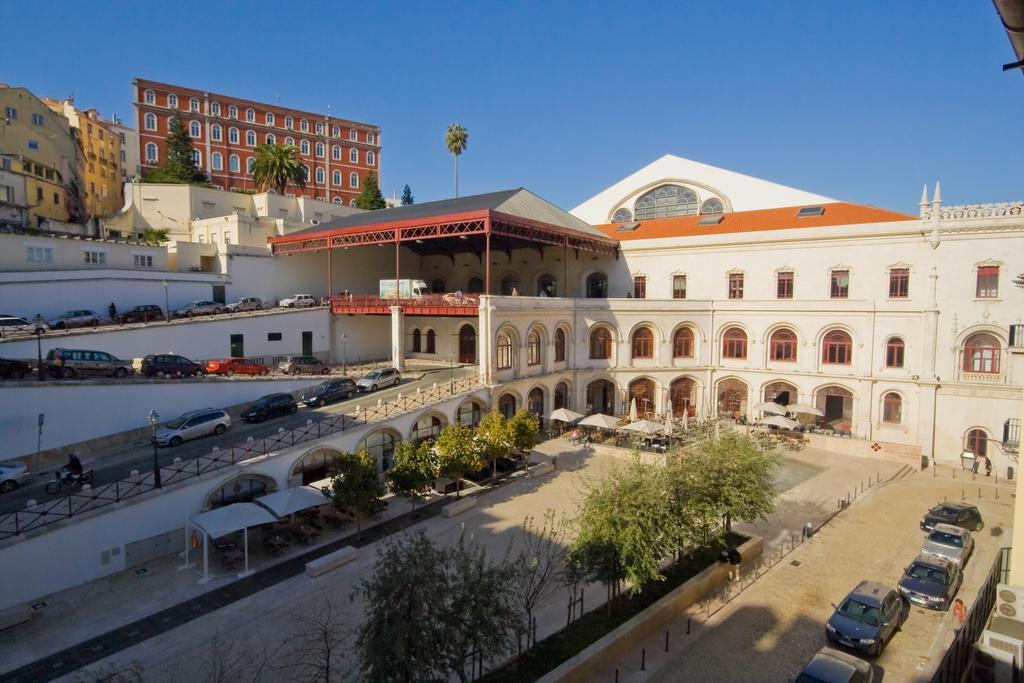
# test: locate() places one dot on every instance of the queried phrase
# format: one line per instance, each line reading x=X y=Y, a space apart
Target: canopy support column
x=487 y=257
x=206 y=557
x=245 y=536
x=398 y=338
x=330 y=274
x=565 y=267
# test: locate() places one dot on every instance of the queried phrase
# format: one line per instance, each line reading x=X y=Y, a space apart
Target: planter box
x=458 y=507
x=324 y=564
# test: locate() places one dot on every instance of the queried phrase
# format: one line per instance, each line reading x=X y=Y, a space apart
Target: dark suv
x=269 y=406
x=963 y=515
x=141 y=314
x=303 y=365
x=330 y=391
x=867 y=618
x=79 y=363
x=170 y=365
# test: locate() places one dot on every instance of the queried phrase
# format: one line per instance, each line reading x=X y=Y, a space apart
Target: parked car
x=246 y=303
x=867 y=618
x=963 y=515
x=171 y=365
x=950 y=543
x=931 y=582
x=141 y=314
x=12 y=323
x=269 y=406
x=199 y=308
x=79 y=363
x=75 y=318
x=330 y=391
x=236 y=366
x=835 y=666
x=12 y=473
x=13 y=369
x=303 y=365
x=192 y=425
x=381 y=377
x=298 y=301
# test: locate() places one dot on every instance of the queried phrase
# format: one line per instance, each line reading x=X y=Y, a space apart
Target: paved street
x=118 y=462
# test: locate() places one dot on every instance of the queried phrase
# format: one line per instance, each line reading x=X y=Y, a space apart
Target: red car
x=233 y=366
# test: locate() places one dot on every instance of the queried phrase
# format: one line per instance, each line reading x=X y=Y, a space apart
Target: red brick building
x=225 y=131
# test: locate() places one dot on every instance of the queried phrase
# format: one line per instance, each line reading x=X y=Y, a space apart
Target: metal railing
x=93 y=498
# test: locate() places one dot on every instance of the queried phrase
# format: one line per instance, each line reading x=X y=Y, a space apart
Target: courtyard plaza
x=810 y=483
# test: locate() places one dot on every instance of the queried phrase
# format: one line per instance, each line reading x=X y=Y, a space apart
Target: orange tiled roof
x=836 y=213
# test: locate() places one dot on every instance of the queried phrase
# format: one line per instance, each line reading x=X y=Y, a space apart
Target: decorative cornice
x=978 y=210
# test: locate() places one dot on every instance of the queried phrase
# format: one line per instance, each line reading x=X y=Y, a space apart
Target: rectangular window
x=142 y=260
x=678 y=286
x=56 y=197
x=39 y=194
x=37 y=119
x=273 y=336
x=39 y=254
x=11 y=113
x=784 y=285
x=640 y=287
x=33 y=144
x=96 y=258
x=736 y=285
x=899 y=283
x=840 y=284
x=988 y=282
x=6 y=193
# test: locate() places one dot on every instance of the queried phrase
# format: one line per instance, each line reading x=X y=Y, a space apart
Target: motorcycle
x=63 y=478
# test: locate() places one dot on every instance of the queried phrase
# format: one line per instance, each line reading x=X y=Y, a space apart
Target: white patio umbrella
x=668 y=419
x=686 y=418
x=779 y=421
x=645 y=427
x=599 y=420
x=770 y=407
x=285 y=502
x=632 y=411
x=804 y=409
x=564 y=415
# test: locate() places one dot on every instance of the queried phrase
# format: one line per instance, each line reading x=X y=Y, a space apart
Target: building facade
x=129 y=139
x=337 y=153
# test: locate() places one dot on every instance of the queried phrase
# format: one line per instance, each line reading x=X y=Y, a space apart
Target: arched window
x=234 y=164
x=416 y=341
x=837 y=348
x=682 y=392
x=336 y=200
x=643 y=343
x=152 y=153
x=304 y=125
x=601 y=343
x=232 y=111
x=533 y=348
x=270 y=118
x=232 y=136
x=535 y=403
x=734 y=343
x=194 y=129
x=216 y=132
x=892 y=408
x=215 y=108
x=305 y=171
x=289 y=140
x=431 y=342
x=271 y=139
x=713 y=205
x=250 y=163
x=561 y=395
x=665 y=201
x=289 y=122
x=304 y=146
x=510 y=285
x=601 y=397
x=321 y=150
x=336 y=152
x=217 y=161
x=546 y=285
x=197 y=158
x=381 y=446
x=982 y=353
x=977 y=442
x=250 y=115
x=370 y=137
x=475 y=285
x=353 y=179
x=336 y=131
x=241 y=490
x=507 y=405
x=469 y=414
x=172 y=101
x=250 y=138
x=315 y=466
x=353 y=156
x=894 y=349
x=622 y=215
x=150 y=97
x=427 y=427
x=150 y=121
x=504 y=351
x=559 y=345
x=642 y=391
x=782 y=346
x=682 y=343
x=597 y=286
x=371 y=158
x=319 y=128
x=193 y=104
x=320 y=176
x=336 y=178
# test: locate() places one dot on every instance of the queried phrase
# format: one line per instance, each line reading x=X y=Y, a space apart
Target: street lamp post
x=167 y=303
x=39 y=352
x=451 y=370
x=154 y=421
x=344 y=354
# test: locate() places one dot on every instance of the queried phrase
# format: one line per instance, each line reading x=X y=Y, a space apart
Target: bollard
x=616 y=676
x=687 y=625
x=666 y=640
x=643 y=659
x=979 y=493
x=862 y=486
x=997 y=493
x=963 y=494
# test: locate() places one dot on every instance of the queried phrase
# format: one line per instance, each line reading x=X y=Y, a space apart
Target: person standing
x=988 y=466
x=734 y=564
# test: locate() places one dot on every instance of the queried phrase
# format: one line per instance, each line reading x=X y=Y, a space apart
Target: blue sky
x=863 y=101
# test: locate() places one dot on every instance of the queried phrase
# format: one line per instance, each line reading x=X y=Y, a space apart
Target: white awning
x=779 y=421
x=599 y=420
x=564 y=415
x=284 y=503
x=230 y=518
x=643 y=427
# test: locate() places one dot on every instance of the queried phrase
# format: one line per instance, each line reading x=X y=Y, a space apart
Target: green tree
x=276 y=167
x=456 y=138
x=403 y=636
x=414 y=470
x=370 y=198
x=523 y=428
x=493 y=439
x=154 y=235
x=355 y=485
x=457 y=452
x=407 y=197
x=180 y=165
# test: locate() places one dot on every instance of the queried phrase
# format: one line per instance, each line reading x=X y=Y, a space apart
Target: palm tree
x=455 y=139
x=276 y=166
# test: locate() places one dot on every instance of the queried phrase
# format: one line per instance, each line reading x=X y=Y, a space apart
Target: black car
x=963 y=515
x=269 y=406
x=931 y=582
x=141 y=314
x=867 y=618
x=16 y=369
x=170 y=365
x=330 y=391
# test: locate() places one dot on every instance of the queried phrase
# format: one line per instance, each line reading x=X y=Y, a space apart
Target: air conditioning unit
x=1010 y=644
x=991 y=665
x=1010 y=601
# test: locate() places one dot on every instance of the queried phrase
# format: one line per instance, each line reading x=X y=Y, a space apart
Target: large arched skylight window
x=713 y=205
x=622 y=216
x=665 y=201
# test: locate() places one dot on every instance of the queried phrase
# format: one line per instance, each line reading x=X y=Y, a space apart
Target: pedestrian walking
x=112 y=310
x=734 y=564
x=988 y=466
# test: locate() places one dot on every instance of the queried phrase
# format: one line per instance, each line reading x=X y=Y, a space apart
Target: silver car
x=12 y=473
x=75 y=318
x=11 y=323
x=950 y=543
x=381 y=377
x=199 y=308
x=247 y=303
x=192 y=425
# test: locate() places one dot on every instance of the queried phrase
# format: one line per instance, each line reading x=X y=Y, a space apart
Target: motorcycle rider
x=74 y=467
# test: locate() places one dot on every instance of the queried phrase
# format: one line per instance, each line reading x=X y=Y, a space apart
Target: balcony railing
x=428 y=304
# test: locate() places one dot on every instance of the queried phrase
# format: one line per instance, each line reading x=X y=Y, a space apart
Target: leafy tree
x=154 y=235
x=276 y=167
x=523 y=428
x=494 y=439
x=403 y=635
x=180 y=166
x=370 y=198
x=414 y=470
x=455 y=140
x=355 y=485
x=407 y=197
x=457 y=452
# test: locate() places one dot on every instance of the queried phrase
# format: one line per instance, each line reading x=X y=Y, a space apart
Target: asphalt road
x=118 y=462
